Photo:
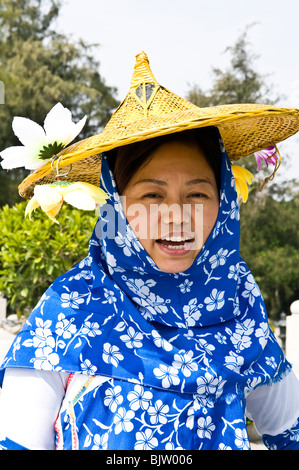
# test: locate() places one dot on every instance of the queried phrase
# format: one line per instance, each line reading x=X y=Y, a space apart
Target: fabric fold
x=199 y=339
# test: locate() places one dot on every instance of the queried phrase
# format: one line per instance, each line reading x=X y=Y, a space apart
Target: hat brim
x=245 y=128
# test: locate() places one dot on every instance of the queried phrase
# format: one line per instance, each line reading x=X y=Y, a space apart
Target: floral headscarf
x=118 y=315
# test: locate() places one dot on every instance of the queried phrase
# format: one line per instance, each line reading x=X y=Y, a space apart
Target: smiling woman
x=174 y=182
x=159 y=338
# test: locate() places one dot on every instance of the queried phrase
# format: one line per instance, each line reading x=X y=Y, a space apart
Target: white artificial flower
x=41 y=143
x=50 y=197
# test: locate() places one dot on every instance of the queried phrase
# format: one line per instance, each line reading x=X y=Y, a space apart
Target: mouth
x=176 y=244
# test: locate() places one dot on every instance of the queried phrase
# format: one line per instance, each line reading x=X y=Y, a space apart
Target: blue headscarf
x=117 y=314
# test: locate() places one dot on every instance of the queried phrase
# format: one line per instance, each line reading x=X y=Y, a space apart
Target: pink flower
x=269 y=155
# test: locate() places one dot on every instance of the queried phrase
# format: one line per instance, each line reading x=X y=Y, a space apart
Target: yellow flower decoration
x=50 y=197
x=243 y=178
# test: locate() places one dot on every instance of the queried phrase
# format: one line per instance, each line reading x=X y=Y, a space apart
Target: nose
x=175 y=212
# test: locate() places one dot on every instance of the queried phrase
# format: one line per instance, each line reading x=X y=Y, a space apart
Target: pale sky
x=184 y=39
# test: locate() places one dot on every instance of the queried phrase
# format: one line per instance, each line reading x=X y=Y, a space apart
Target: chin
x=174 y=266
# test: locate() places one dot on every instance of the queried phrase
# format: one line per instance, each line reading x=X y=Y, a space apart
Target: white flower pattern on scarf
x=179 y=351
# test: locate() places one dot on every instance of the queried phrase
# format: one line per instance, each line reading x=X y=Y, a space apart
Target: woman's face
x=172 y=204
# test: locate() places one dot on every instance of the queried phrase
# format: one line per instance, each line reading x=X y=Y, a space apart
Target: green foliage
x=34 y=253
x=39 y=67
x=269 y=219
x=270 y=245
x=240 y=83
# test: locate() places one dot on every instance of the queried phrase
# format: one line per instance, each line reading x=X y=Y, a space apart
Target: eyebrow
x=199 y=180
x=164 y=183
x=152 y=180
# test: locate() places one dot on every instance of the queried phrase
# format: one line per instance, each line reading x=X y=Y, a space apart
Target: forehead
x=175 y=157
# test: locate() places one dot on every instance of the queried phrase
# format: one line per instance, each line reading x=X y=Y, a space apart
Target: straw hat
x=150 y=110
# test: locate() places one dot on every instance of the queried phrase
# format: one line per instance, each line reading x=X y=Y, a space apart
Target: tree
x=240 y=83
x=39 y=67
x=270 y=244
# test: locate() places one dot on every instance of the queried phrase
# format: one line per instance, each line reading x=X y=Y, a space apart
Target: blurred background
x=82 y=53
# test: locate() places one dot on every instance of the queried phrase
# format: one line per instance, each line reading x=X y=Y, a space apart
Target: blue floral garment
x=288 y=439
x=179 y=351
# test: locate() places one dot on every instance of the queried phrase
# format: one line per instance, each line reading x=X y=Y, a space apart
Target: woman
x=158 y=339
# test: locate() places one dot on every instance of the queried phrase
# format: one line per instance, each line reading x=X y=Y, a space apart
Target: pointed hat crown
x=142 y=71
x=146 y=103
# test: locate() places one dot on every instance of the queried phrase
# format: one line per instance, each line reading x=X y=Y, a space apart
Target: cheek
x=210 y=214
x=138 y=216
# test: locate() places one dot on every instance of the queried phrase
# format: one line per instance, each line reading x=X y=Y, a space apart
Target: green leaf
x=33 y=254
x=48 y=151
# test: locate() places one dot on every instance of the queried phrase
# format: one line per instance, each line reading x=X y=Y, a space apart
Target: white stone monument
x=292 y=339
x=3 y=304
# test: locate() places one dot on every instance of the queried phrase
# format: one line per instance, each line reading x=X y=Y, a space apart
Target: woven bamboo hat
x=150 y=110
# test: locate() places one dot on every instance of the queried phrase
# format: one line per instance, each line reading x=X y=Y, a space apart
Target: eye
x=151 y=196
x=198 y=195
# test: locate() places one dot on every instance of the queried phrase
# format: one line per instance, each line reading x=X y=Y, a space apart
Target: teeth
x=172 y=247
x=176 y=239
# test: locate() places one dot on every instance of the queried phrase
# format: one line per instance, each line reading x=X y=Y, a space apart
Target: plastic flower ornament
x=269 y=155
x=50 y=197
x=243 y=178
x=41 y=143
